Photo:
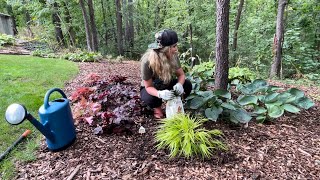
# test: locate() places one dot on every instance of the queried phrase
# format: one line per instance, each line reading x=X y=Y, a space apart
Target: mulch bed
x=288 y=148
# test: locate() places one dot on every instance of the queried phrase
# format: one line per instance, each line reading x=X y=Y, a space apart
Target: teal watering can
x=56 y=122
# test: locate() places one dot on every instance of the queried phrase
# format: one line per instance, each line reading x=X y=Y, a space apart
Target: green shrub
x=184 y=136
x=83 y=56
x=6 y=39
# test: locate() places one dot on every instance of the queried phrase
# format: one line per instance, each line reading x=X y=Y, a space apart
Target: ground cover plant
x=109 y=104
x=25 y=80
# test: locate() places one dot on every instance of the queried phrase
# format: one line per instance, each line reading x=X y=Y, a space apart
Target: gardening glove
x=178 y=88
x=165 y=94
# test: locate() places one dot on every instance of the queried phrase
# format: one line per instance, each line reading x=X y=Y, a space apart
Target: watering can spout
x=43 y=128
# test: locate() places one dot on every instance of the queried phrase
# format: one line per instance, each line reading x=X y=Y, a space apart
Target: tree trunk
x=104 y=23
x=131 y=27
x=119 y=27
x=86 y=25
x=276 y=65
x=237 y=24
x=14 y=24
x=156 y=22
x=222 y=42
x=68 y=19
x=94 y=32
x=57 y=25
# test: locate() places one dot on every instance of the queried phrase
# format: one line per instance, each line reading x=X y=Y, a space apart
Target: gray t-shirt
x=147 y=72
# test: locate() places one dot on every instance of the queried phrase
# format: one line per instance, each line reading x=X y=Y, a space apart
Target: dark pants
x=154 y=102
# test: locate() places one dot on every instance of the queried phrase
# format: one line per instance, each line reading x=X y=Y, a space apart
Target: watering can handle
x=46 y=98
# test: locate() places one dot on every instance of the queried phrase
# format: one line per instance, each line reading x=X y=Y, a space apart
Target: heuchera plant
x=106 y=102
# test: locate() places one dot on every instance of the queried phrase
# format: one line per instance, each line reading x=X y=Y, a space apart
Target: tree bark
x=13 y=18
x=68 y=19
x=276 y=65
x=104 y=23
x=86 y=25
x=131 y=26
x=94 y=32
x=222 y=43
x=57 y=25
x=237 y=24
x=119 y=27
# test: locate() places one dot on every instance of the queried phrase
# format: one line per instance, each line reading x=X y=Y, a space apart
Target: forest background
x=126 y=27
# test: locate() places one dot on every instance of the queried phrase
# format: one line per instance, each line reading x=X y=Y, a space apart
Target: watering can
x=56 y=122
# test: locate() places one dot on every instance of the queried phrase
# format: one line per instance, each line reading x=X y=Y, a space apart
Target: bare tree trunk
x=68 y=19
x=131 y=26
x=119 y=27
x=104 y=23
x=94 y=32
x=13 y=17
x=86 y=25
x=276 y=65
x=157 y=21
x=222 y=43
x=57 y=25
x=237 y=24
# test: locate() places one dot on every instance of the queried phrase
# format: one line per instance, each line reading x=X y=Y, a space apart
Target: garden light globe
x=15 y=114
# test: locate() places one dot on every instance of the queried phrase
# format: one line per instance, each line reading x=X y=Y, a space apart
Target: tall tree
x=222 y=43
x=119 y=27
x=86 y=25
x=105 y=25
x=57 y=24
x=278 y=40
x=236 y=26
x=69 y=26
x=130 y=26
x=94 y=32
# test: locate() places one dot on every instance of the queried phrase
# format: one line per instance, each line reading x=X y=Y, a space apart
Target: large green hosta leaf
x=247 y=99
x=213 y=113
x=261 y=118
x=291 y=108
x=259 y=110
x=239 y=115
x=222 y=93
x=304 y=103
x=197 y=102
x=206 y=94
x=275 y=111
x=296 y=92
x=272 y=97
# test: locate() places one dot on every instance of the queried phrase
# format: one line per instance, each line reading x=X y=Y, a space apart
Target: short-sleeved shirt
x=147 y=72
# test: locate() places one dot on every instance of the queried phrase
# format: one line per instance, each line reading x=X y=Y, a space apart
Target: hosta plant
x=184 y=136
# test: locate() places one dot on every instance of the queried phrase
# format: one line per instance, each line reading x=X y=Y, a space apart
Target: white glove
x=165 y=94
x=178 y=88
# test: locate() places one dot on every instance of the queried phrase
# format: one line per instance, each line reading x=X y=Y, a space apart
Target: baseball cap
x=166 y=37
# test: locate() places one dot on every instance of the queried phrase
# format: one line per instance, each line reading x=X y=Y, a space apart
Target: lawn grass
x=25 y=80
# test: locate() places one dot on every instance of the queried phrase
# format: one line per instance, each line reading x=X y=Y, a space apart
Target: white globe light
x=15 y=113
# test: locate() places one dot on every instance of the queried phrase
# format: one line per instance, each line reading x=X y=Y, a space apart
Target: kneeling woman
x=161 y=72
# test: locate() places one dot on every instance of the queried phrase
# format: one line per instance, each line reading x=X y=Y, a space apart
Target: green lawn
x=25 y=80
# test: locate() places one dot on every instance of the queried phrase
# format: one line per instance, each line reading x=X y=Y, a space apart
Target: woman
x=161 y=72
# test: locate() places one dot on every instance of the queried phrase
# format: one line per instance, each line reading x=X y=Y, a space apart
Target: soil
x=288 y=148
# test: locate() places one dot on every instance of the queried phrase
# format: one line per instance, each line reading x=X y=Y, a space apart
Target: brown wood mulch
x=289 y=148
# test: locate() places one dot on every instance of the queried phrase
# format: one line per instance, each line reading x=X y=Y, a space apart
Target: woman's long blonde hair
x=163 y=67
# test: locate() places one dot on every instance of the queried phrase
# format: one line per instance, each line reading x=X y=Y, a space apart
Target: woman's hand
x=178 y=88
x=165 y=94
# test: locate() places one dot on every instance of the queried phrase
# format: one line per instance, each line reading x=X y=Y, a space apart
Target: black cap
x=164 y=38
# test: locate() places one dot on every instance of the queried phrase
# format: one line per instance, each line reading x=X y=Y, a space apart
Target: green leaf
x=273 y=88
x=240 y=115
x=259 y=110
x=296 y=92
x=291 y=108
x=228 y=106
x=205 y=94
x=247 y=99
x=272 y=97
x=197 y=102
x=261 y=118
x=223 y=93
x=213 y=113
x=304 y=103
x=275 y=111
